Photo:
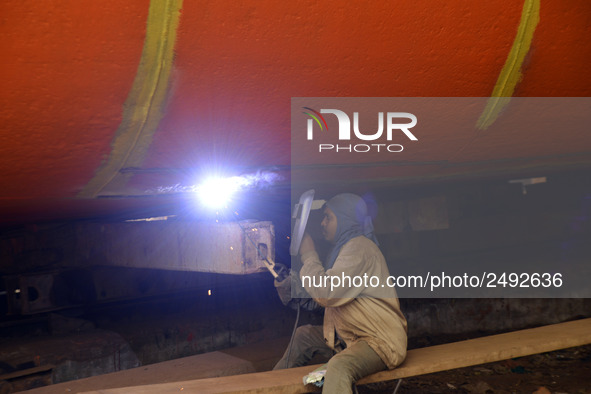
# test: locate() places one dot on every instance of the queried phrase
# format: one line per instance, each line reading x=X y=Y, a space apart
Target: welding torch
x=279 y=271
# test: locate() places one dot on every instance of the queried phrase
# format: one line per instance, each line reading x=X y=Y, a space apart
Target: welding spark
x=217 y=192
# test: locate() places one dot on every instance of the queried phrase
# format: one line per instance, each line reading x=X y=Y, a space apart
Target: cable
x=295 y=326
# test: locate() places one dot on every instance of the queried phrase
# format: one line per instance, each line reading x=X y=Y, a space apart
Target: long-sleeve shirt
x=369 y=313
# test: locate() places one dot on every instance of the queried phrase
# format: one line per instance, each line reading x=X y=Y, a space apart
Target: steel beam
x=225 y=248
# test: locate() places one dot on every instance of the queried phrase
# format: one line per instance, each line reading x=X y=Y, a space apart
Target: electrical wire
x=295 y=326
x=397 y=386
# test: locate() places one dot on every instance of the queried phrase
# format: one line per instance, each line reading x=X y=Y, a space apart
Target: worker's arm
x=296 y=298
x=327 y=286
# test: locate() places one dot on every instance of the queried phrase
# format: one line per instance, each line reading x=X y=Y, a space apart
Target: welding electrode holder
x=278 y=270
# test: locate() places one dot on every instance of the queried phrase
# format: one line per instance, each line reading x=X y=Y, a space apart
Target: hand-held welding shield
x=300 y=213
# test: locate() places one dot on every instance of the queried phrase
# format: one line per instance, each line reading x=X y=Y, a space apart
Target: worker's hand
x=283 y=287
x=307 y=244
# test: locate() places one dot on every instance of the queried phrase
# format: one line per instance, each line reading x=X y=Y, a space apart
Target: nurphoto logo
x=392 y=126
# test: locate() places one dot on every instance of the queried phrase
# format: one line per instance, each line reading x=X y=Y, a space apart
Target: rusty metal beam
x=226 y=248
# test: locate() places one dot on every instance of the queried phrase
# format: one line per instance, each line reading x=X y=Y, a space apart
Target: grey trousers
x=343 y=369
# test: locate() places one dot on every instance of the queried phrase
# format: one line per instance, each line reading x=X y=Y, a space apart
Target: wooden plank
x=489 y=349
x=419 y=361
x=27 y=372
x=200 y=366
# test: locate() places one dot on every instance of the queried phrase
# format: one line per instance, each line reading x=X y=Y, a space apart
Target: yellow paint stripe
x=511 y=72
x=145 y=103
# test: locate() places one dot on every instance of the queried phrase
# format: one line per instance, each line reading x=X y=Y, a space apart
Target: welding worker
x=363 y=325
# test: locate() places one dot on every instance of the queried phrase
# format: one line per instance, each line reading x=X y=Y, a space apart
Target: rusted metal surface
x=226 y=248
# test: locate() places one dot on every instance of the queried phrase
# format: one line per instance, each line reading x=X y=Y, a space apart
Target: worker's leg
x=308 y=342
x=350 y=365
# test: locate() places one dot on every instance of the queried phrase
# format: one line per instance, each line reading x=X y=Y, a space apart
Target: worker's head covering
x=352 y=221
